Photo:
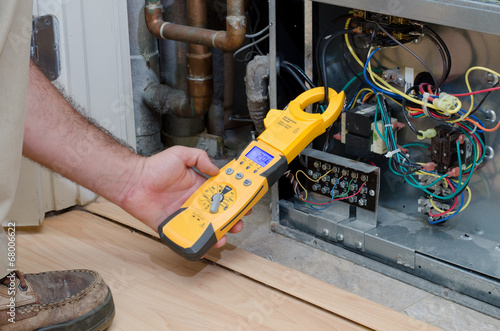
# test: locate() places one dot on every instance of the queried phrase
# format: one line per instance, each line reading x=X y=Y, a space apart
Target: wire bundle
x=304 y=196
x=447 y=194
x=427 y=100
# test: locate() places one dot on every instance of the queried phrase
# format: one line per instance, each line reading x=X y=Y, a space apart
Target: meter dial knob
x=217 y=198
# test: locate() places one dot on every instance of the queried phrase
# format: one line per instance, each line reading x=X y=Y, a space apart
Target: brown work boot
x=55 y=300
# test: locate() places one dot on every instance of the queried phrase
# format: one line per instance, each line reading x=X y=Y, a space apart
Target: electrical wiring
x=313 y=180
x=322 y=56
x=440 y=44
x=299 y=71
x=409 y=51
x=447 y=218
x=294 y=74
x=352 y=195
x=467 y=83
x=258 y=33
x=241 y=49
x=326 y=204
x=417 y=102
x=478 y=106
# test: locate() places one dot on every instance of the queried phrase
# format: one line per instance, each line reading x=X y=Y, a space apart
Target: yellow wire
x=388 y=87
x=452 y=212
x=470 y=90
x=312 y=180
x=359 y=94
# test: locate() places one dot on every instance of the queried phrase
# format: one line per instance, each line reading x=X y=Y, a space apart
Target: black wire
x=322 y=57
x=405 y=113
x=446 y=68
x=320 y=40
x=359 y=76
x=294 y=75
x=370 y=44
x=445 y=48
x=300 y=72
x=483 y=100
x=410 y=51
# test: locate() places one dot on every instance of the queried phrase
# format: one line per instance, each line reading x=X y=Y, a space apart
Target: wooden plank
x=294 y=283
x=154 y=289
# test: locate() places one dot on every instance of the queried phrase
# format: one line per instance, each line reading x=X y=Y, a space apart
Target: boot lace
x=23 y=285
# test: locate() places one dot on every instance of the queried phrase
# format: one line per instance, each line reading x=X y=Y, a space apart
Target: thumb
x=198 y=158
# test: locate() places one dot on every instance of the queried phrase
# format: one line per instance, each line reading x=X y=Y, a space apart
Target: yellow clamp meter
x=221 y=201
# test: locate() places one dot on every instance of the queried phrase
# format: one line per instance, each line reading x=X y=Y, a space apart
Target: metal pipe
x=228 y=40
x=173 y=73
x=215 y=116
x=199 y=63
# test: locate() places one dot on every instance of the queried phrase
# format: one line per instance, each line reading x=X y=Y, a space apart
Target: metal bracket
x=45 y=45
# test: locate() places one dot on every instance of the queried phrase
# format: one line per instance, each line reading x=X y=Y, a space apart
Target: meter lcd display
x=259 y=156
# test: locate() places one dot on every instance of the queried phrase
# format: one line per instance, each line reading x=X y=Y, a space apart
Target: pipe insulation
x=144 y=63
x=257 y=89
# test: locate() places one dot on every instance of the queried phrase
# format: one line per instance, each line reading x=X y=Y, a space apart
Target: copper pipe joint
x=228 y=40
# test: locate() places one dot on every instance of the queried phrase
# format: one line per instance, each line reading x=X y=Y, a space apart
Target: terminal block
x=340 y=177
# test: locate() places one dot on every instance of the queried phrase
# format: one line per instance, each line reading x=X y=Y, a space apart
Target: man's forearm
x=60 y=138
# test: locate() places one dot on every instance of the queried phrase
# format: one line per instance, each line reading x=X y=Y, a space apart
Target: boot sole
x=99 y=319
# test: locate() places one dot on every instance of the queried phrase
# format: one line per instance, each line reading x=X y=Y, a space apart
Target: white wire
x=258 y=33
x=250 y=45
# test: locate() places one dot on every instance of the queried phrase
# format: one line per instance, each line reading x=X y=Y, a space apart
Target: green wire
x=424 y=145
x=345 y=194
x=356 y=77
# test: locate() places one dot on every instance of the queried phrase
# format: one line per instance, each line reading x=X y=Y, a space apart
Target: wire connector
x=447 y=103
x=429 y=133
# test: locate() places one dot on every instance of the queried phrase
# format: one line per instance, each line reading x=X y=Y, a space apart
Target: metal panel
x=465 y=14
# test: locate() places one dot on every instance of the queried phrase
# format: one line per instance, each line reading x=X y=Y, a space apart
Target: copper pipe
x=199 y=63
x=228 y=40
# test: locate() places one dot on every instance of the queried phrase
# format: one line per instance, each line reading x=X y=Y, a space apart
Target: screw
x=371 y=193
x=340 y=237
x=358 y=245
x=399 y=80
x=325 y=232
x=491 y=116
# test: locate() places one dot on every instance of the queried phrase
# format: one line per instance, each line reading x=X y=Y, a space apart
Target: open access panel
x=406 y=181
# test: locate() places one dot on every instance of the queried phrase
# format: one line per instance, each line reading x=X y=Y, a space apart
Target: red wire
x=328 y=202
x=477 y=92
x=343 y=198
x=452 y=207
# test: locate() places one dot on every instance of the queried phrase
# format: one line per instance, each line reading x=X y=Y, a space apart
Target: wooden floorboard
x=154 y=289
x=296 y=284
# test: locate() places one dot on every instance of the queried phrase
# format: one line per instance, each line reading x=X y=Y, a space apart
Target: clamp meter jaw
x=223 y=199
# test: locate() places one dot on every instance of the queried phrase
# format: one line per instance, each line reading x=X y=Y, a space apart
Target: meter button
x=247 y=182
x=229 y=171
x=239 y=175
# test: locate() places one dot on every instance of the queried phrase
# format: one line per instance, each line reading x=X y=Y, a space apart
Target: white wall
x=95 y=73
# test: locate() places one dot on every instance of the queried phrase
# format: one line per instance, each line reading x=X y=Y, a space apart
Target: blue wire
x=375 y=88
x=448 y=217
x=354 y=97
x=331 y=200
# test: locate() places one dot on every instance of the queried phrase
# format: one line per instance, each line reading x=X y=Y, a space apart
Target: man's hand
x=165 y=182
